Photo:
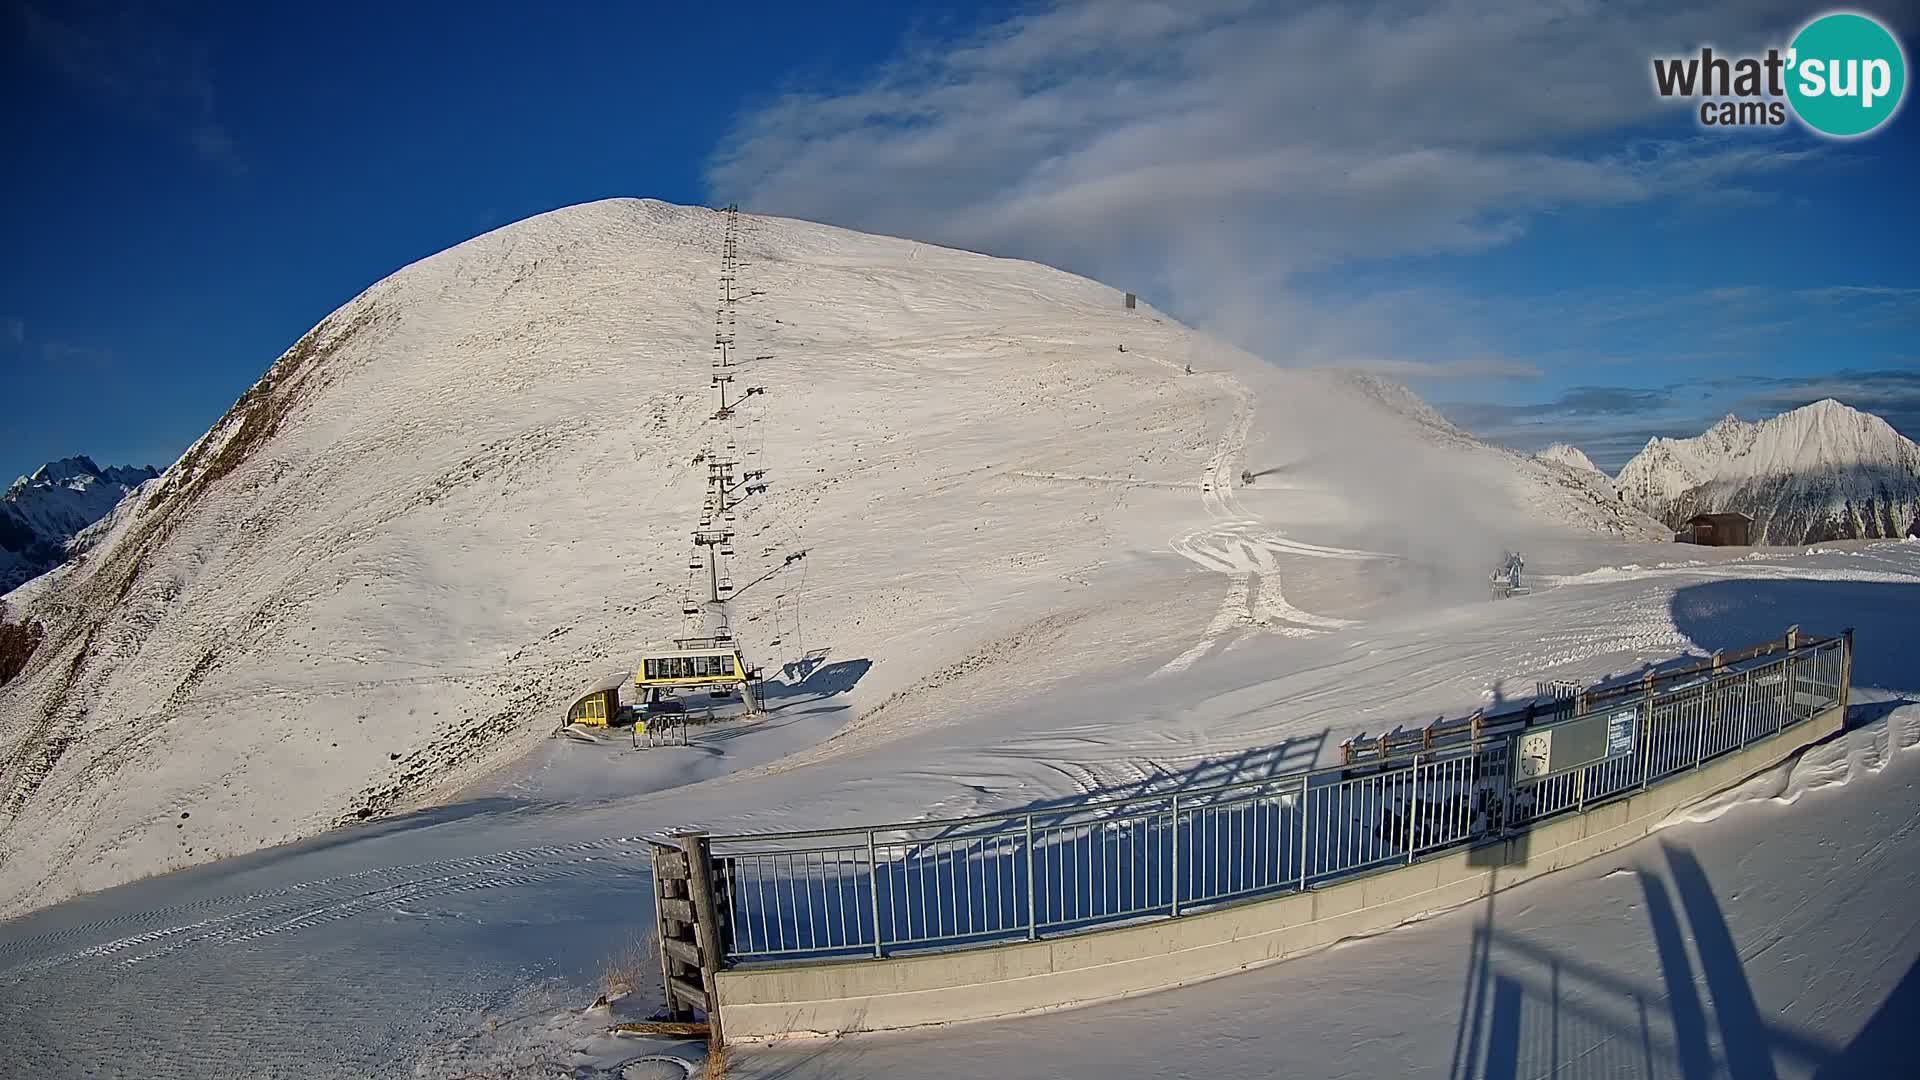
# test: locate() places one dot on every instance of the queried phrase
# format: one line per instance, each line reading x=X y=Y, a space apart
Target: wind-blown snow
x=468 y=491
x=1820 y=472
x=41 y=514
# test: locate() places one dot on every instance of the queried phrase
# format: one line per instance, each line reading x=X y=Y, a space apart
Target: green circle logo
x=1845 y=74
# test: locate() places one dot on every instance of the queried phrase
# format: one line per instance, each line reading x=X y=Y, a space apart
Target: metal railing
x=966 y=881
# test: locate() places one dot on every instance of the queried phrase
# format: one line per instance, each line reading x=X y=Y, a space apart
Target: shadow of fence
x=1531 y=1010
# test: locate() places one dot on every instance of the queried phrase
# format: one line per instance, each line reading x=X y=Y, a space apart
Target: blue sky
x=1489 y=204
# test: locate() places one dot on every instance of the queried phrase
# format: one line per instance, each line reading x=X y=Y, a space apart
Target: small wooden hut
x=1720 y=530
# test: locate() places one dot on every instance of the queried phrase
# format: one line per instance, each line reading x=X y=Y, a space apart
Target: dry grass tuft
x=719 y=1061
x=634 y=968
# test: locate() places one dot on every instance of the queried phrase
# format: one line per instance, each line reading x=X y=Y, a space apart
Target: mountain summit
x=41 y=514
x=469 y=491
x=1571 y=456
x=1824 y=471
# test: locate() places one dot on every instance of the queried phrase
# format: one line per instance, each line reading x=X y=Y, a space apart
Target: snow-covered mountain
x=1574 y=468
x=41 y=514
x=468 y=491
x=1824 y=471
x=1568 y=455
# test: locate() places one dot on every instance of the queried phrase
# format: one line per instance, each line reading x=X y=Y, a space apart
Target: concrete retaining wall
x=1005 y=980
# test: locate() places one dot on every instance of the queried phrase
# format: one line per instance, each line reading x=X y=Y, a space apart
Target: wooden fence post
x=678 y=929
x=707 y=921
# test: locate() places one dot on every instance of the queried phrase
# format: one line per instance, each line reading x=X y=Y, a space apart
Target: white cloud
x=1484 y=367
x=1209 y=151
x=69 y=354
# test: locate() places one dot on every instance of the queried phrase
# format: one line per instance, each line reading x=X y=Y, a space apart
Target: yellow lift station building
x=710 y=663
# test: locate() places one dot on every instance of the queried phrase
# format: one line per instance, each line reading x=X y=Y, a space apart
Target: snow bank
x=1859 y=752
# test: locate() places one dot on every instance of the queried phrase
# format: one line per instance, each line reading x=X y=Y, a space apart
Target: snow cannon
x=1507 y=580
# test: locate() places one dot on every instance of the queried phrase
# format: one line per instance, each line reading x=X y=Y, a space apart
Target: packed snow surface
x=467 y=493
x=1820 y=472
x=1034 y=571
x=468 y=940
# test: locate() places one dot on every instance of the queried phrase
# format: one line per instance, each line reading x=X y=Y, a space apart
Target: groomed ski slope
x=465 y=940
x=468 y=492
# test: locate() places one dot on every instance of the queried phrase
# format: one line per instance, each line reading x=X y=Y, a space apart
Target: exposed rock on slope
x=1821 y=472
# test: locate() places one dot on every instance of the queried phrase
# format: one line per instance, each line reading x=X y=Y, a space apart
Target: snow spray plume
x=1404 y=477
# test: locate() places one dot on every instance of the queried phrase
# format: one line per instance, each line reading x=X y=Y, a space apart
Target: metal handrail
x=1102 y=802
x=1111 y=859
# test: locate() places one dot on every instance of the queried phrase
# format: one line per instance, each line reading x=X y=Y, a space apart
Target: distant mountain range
x=40 y=515
x=1824 y=471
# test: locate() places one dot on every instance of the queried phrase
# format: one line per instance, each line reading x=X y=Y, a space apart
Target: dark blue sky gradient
x=191 y=186
x=153 y=277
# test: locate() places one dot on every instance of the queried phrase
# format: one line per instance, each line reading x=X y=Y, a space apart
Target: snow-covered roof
x=613 y=680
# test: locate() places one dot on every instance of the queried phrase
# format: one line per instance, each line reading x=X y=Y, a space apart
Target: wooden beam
x=660 y=939
x=678 y=911
x=683 y=951
x=664 y=1028
x=671 y=865
x=691 y=994
x=700 y=882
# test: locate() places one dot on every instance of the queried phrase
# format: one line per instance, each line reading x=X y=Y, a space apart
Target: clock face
x=1535 y=750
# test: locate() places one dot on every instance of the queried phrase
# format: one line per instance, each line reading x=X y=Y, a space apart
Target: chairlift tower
x=709 y=625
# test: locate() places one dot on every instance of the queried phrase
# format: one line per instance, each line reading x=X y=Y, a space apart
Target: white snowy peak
x=1826 y=436
x=42 y=513
x=1568 y=455
x=1820 y=472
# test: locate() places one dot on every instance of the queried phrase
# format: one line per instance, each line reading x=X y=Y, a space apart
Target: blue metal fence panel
x=972 y=881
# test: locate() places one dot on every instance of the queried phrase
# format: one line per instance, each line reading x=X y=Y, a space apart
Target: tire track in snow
x=305 y=904
x=1236 y=543
x=1232 y=615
